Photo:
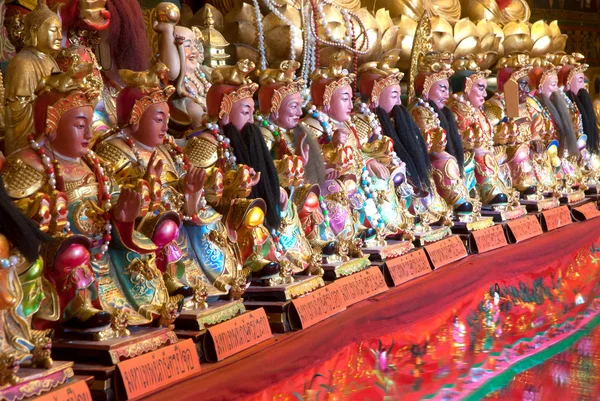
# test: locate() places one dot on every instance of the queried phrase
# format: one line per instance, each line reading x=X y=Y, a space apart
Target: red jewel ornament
x=107 y=237
x=30 y=137
x=107 y=216
x=98 y=256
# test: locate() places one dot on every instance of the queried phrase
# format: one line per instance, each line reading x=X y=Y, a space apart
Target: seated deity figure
x=513 y=135
x=43 y=35
x=229 y=140
x=25 y=293
x=549 y=104
x=482 y=170
x=351 y=157
x=61 y=184
x=437 y=124
x=572 y=78
x=196 y=258
x=379 y=87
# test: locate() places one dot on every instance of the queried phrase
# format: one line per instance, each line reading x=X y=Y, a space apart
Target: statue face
x=550 y=85
x=189 y=48
x=74 y=133
x=523 y=89
x=439 y=93
x=340 y=105
x=153 y=125
x=242 y=113
x=577 y=83
x=389 y=98
x=289 y=112
x=49 y=36
x=477 y=93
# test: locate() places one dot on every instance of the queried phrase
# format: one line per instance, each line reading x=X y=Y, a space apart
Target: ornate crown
x=520 y=63
x=243 y=92
x=335 y=71
x=436 y=66
x=283 y=75
x=573 y=59
x=158 y=95
x=390 y=75
x=470 y=66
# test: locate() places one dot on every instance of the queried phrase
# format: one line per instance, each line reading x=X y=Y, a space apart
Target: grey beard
x=314 y=170
x=558 y=109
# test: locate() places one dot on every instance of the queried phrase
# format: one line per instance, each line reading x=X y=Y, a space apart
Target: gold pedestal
x=430 y=235
x=336 y=270
x=539 y=205
x=34 y=382
x=284 y=292
x=217 y=312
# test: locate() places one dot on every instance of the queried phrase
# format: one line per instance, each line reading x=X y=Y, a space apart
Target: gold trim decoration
x=380 y=84
x=303 y=287
x=547 y=73
x=335 y=71
x=243 y=92
x=142 y=347
x=152 y=97
x=470 y=80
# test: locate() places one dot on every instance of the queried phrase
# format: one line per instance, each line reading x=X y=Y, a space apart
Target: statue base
x=277 y=314
x=334 y=271
x=592 y=190
x=284 y=292
x=574 y=205
x=500 y=215
x=393 y=249
x=217 y=312
x=462 y=227
x=114 y=350
x=430 y=235
x=570 y=198
x=34 y=382
x=539 y=205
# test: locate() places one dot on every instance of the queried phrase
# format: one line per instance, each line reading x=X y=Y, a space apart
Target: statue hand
x=164 y=28
x=283 y=199
x=194 y=180
x=128 y=206
x=154 y=168
x=255 y=177
x=340 y=136
x=377 y=169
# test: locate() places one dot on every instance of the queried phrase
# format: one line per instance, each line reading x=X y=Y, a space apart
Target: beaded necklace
x=574 y=110
x=103 y=200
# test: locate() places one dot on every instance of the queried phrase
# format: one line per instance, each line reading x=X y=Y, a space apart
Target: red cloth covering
x=446 y=334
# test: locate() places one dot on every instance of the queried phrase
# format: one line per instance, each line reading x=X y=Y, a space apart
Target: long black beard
x=558 y=109
x=409 y=144
x=249 y=148
x=454 y=141
x=583 y=100
x=18 y=229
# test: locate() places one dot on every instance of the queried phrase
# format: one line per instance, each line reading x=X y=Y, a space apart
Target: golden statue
x=25 y=71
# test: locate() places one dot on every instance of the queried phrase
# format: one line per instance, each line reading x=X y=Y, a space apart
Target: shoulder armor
x=201 y=150
x=21 y=179
x=534 y=104
x=493 y=111
x=313 y=125
x=268 y=137
x=115 y=152
x=363 y=128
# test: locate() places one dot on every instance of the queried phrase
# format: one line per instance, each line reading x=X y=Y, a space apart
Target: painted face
x=153 y=125
x=550 y=85
x=189 y=48
x=289 y=112
x=439 y=93
x=340 y=105
x=74 y=133
x=477 y=93
x=242 y=113
x=577 y=83
x=389 y=98
x=49 y=36
x=523 y=89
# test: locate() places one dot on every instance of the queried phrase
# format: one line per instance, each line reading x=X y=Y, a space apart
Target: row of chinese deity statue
x=249 y=184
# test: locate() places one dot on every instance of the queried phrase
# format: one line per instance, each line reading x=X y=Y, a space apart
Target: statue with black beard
x=572 y=77
x=554 y=110
x=437 y=124
x=380 y=90
x=231 y=141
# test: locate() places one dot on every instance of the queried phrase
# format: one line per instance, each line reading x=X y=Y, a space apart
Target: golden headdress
x=230 y=85
x=325 y=81
x=278 y=83
x=375 y=76
x=570 y=65
x=433 y=67
x=467 y=71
